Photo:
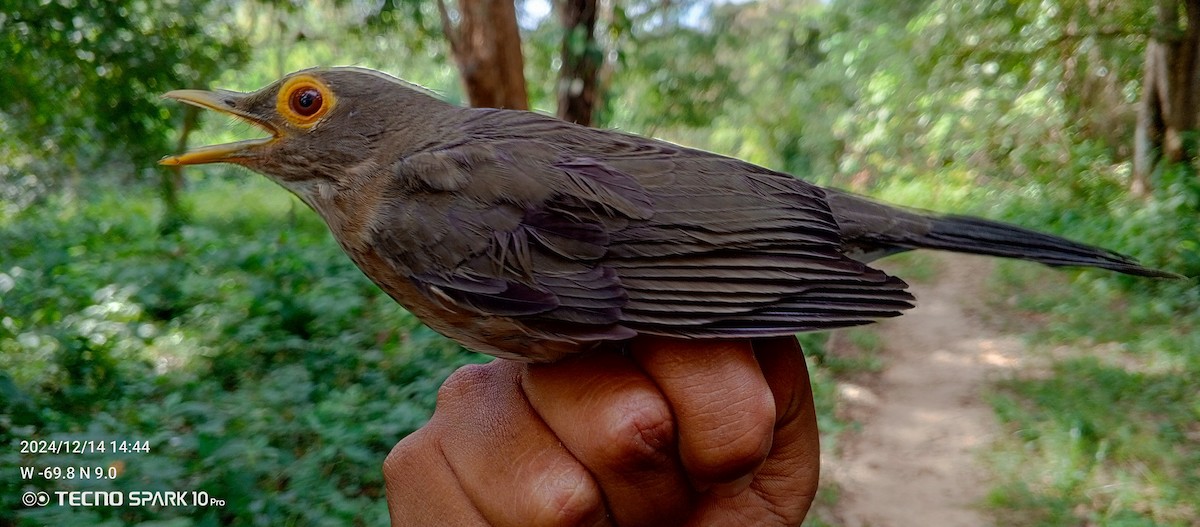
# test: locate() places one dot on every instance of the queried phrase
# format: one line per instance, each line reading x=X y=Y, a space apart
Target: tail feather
x=872 y=230
x=992 y=238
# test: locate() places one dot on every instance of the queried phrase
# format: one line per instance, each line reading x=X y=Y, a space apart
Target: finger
x=784 y=487
x=723 y=407
x=614 y=420
x=510 y=465
x=421 y=488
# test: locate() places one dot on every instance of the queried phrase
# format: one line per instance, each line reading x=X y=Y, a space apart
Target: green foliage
x=677 y=76
x=666 y=74
x=1101 y=443
x=865 y=346
x=81 y=78
x=1107 y=436
x=415 y=23
x=690 y=81
x=261 y=366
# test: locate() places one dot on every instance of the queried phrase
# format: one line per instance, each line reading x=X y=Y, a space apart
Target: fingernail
x=732 y=488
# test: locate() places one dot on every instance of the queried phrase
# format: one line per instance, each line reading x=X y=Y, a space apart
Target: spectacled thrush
x=530 y=238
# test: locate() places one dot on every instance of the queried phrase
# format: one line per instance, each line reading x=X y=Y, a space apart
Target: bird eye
x=306 y=101
x=303 y=100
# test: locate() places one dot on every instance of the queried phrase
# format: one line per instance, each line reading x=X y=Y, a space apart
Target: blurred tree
x=581 y=56
x=992 y=89
x=668 y=72
x=81 y=80
x=486 y=45
x=1170 y=103
x=789 y=97
x=407 y=21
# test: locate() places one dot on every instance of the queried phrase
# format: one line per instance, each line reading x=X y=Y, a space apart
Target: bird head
x=324 y=123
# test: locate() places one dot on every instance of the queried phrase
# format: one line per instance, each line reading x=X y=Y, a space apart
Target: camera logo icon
x=35 y=499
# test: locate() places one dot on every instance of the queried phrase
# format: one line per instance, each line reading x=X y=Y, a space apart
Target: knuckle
x=569 y=497
x=739 y=441
x=405 y=458
x=395 y=465
x=463 y=383
x=636 y=436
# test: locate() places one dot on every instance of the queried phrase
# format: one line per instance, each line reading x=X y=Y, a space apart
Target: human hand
x=677 y=432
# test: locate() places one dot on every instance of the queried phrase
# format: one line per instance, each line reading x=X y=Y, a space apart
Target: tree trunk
x=486 y=46
x=581 y=59
x=1170 y=103
x=1147 y=137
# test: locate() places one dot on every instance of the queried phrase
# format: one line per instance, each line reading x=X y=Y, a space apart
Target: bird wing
x=497 y=233
x=738 y=250
x=598 y=233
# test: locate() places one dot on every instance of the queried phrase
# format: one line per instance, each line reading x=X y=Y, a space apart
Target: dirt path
x=915 y=461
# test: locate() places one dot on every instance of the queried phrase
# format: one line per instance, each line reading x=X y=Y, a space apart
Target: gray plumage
x=528 y=237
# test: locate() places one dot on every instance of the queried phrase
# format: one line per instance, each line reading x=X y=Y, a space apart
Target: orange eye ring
x=303 y=100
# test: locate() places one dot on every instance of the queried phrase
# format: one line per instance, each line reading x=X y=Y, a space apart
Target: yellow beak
x=224 y=102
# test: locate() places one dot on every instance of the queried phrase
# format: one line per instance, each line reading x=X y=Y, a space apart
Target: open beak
x=224 y=102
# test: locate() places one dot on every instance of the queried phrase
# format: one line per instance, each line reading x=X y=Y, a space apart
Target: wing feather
x=602 y=235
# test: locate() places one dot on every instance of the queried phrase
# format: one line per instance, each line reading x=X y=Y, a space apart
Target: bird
x=529 y=238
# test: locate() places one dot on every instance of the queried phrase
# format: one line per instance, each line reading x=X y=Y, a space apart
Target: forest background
x=210 y=313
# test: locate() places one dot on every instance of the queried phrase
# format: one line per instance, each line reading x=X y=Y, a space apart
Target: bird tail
x=872 y=230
